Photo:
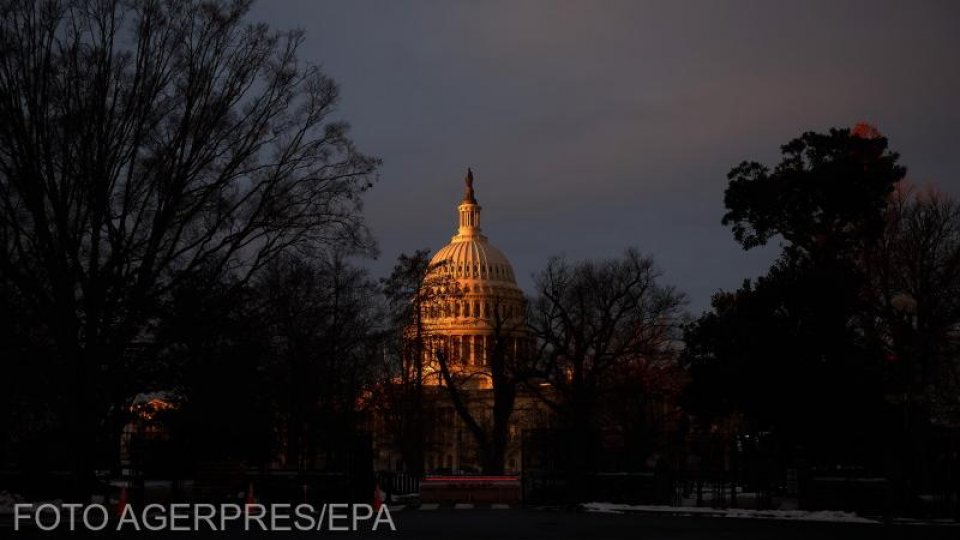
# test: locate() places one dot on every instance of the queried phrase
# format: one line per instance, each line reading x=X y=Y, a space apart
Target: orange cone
x=377 y=497
x=122 y=501
x=251 y=500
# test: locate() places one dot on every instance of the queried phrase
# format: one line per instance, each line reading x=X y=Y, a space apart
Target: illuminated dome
x=462 y=319
x=467 y=337
x=473 y=257
x=470 y=257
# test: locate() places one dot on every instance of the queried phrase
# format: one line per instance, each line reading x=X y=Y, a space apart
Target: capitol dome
x=467 y=337
x=470 y=258
x=474 y=258
x=474 y=293
x=469 y=255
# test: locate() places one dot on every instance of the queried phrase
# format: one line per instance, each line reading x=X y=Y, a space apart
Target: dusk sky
x=594 y=126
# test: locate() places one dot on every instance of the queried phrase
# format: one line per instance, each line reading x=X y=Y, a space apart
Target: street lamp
x=905 y=304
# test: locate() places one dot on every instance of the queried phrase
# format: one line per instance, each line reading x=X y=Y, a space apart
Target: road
x=534 y=524
x=518 y=524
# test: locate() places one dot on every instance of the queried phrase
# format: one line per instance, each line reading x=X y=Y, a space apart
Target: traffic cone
x=251 y=499
x=122 y=501
x=377 y=497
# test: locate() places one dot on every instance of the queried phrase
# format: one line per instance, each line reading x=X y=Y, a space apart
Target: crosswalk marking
x=448 y=506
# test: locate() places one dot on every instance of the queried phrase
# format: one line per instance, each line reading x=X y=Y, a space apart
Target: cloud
x=595 y=126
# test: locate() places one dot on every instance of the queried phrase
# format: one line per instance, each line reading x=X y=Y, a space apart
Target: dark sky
x=593 y=126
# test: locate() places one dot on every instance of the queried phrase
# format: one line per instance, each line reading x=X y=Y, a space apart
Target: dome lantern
x=469 y=255
x=469 y=210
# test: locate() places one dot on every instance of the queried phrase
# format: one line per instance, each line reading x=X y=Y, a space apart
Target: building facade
x=472 y=300
x=473 y=314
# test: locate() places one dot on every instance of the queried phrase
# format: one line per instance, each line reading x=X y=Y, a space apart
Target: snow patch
x=740 y=513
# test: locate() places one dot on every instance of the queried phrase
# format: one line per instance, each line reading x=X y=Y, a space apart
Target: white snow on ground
x=800 y=515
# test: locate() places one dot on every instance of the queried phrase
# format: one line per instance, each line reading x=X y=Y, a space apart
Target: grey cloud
x=598 y=125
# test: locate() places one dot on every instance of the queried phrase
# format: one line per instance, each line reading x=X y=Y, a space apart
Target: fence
x=398 y=483
x=750 y=472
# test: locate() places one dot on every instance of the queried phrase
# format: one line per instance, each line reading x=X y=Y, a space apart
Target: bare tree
x=420 y=294
x=142 y=141
x=412 y=289
x=324 y=325
x=915 y=278
x=507 y=367
x=594 y=321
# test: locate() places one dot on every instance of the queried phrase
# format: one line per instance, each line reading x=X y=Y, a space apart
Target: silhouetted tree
x=325 y=326
x=595 y=320
x=826 y=198
x=27 y=414
x=418 y=293
x=915 y=277
x=914 y=284
x=213 y=347
x=509 y=365
x=795 y=349
x=141 y=142
x=400 y=394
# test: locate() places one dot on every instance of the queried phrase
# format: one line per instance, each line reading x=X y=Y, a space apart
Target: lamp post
x=906 y=306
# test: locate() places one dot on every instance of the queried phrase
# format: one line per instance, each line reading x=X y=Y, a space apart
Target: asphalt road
x=542 y=524
x=533 y=524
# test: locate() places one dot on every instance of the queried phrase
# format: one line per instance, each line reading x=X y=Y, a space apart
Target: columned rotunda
x=473 y=298
x=472 y=315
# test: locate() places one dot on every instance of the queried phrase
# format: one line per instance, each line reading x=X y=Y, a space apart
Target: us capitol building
x=470 y=305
